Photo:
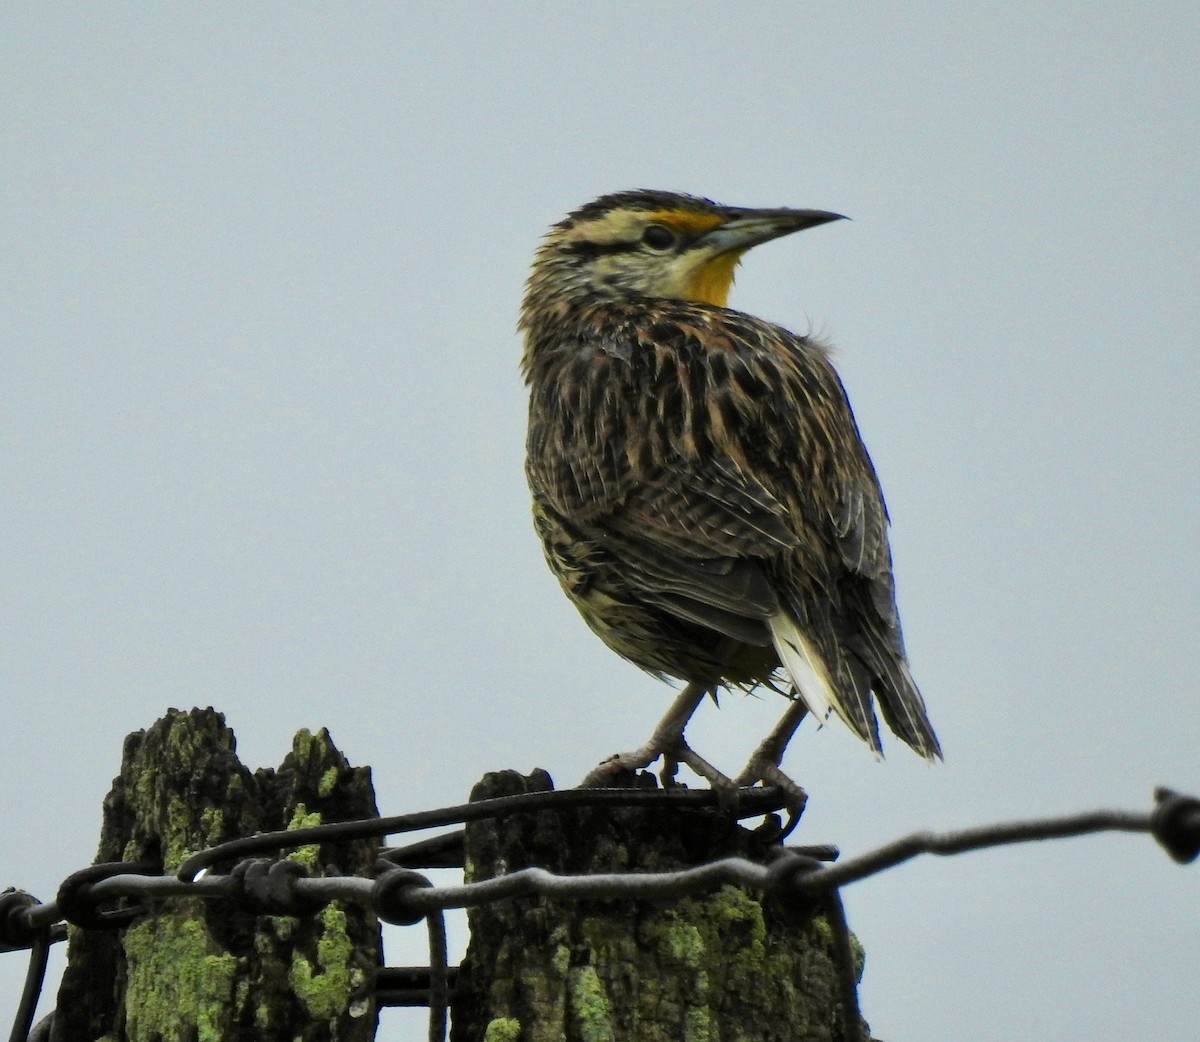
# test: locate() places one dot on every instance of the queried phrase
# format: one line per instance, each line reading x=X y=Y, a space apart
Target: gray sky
x=261 y=427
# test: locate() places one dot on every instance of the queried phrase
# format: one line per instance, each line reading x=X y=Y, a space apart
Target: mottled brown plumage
x=699 y=483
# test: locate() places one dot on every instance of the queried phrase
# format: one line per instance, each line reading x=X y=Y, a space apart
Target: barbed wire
x=801 y=877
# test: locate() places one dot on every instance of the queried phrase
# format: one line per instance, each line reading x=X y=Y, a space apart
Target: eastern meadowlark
x=699 y=484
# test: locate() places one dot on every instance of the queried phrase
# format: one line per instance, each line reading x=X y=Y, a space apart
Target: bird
x=699 y=484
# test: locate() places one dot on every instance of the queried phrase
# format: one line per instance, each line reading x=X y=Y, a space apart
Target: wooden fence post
x=712 y=967
x=202 y=971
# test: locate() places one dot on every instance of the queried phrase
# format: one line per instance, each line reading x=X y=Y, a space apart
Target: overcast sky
x=261 y=425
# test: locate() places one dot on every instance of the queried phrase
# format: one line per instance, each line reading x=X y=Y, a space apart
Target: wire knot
x=267 y=887
x=80 y=908
x=393 y=894
x=15 y=929
x=785 y=880
x=1176 y=824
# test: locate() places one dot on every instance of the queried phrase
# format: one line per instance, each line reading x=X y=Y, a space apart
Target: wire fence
x=807 y=878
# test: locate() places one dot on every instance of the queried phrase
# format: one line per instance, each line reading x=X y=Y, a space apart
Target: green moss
x=697 y=1025
x=684 y=943
x=328 y=782
x=611 y=937
x=732 y=904
x=326 y=987
x=284 y=927
x=310 y=854
x=823 y=930
x=739 y=917
x=180 y=986
x=588 y=1002
x=301 y=819
x=212 y=825
x=502 y=1029
x=302 y=745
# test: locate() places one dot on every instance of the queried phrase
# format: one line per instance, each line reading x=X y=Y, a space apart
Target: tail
x=896 y=692
x=807 y=669
x=872 y=671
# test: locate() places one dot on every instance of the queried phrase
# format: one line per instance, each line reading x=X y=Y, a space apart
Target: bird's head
x=663 y=245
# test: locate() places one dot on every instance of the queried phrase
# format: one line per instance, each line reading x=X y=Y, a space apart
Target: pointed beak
x=748 y=228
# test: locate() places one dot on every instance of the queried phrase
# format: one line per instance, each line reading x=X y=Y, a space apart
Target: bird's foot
x=605 y=772
x=673 y=750
x=764 y=769
x=667 y=741
x=760 y=769
x=724 y=786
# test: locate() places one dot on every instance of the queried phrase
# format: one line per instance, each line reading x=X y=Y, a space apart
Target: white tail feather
x=806 y=668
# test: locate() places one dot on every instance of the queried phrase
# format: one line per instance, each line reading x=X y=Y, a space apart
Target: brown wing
x=834 y=494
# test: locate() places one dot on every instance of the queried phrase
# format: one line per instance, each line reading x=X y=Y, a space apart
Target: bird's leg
x=667 y=741
x=763 y=764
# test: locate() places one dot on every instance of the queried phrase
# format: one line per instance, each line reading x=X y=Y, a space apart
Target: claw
x=670 y=769
x=794 y=796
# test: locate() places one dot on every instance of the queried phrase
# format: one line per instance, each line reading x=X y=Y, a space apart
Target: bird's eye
x=658 y=237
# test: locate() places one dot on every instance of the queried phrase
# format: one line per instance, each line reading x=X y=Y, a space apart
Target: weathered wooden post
x=209 y=970
x=712 y=967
